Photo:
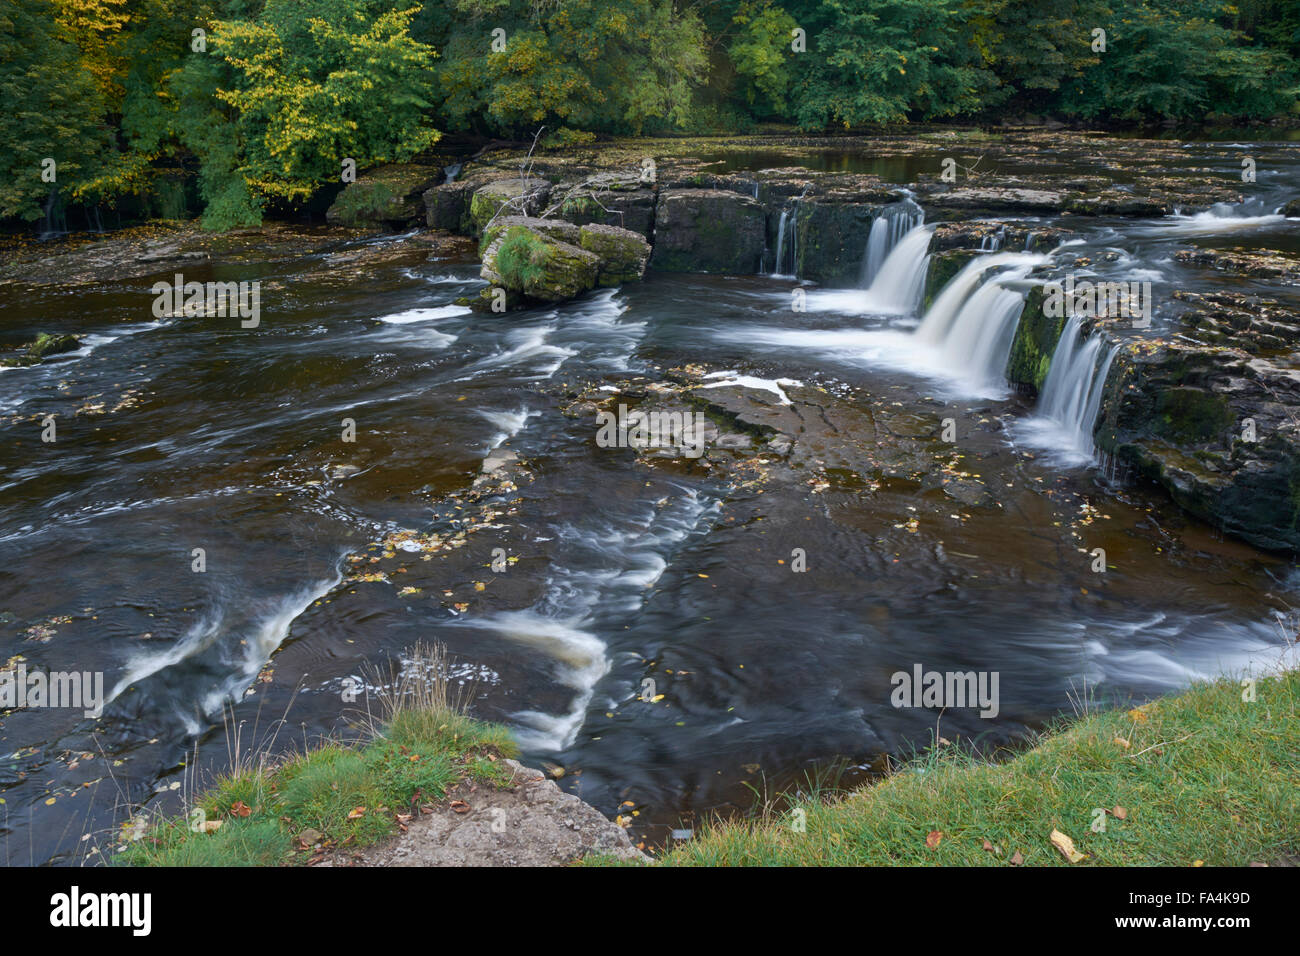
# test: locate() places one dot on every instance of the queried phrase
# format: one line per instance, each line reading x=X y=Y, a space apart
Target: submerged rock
x=41 y=348
x=1258 y=264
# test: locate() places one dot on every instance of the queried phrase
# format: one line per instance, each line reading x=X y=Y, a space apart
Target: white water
x=1218 y=219
x=887 y=230
x=605 y=569
x=898 y=285
x=780 y=243
x=971 y=324
x=1071 y=397
x=900 y=281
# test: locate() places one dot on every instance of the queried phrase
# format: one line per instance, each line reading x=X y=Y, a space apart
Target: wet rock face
x=447 y=207
x=386 y=194
x=708 y=230
x=623 y=199
x=832 y=239
x=1214 y=416
x=1034 y=344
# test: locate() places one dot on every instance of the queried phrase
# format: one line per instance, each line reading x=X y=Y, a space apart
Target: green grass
x=1205 y=777
x=348 y=795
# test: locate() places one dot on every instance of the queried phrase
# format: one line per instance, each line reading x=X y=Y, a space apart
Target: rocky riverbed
x=682 y=447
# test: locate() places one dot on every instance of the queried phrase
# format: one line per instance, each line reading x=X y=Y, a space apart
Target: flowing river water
x=178 y=434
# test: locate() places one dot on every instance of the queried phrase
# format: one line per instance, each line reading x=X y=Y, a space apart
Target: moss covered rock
x=523 y=259
x=943 y=266
x=519 y=197
x=623 y=254
x=1036 y=338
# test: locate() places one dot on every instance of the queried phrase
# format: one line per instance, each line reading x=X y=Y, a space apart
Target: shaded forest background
x=239 y=107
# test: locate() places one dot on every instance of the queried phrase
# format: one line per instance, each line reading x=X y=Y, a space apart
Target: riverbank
x=426 y=786
x=1206 y=777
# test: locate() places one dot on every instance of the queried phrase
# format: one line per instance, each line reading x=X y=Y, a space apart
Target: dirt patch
x=531 y=823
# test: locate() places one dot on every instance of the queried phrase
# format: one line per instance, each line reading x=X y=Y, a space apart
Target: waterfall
x=790 y=216
x=900 y=281
x=1071 y=396
x=973 y=321
x=780 y=243
x=887 y=230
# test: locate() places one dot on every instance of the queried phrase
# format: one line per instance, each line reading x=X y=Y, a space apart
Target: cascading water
x=1071 y=396
x=887 y=230
x=971 y=324
x=790 y=216
x=900 y=281
x=780 y=242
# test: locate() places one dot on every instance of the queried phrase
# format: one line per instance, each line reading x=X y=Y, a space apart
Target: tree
x=53 y=110
x=585 y=64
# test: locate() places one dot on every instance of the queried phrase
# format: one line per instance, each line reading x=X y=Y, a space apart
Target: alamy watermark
x=1130 y=300
x=80 y=690
x=950 y=690
x=181 y=298
x=660 y=429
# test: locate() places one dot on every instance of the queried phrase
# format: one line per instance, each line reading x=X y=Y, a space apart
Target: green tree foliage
x=314 y=82
x=882 y=61
x=585 y=64
x=761 y=52
x=118 y=94
x=1174 y=59
x=52 y=109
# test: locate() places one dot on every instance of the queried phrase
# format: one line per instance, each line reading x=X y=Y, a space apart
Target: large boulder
x=535 y=258
x=623 y=254
x=385 y=194
x=708 y=230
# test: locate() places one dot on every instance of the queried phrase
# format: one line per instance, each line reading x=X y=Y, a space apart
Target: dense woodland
x=237 y=107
